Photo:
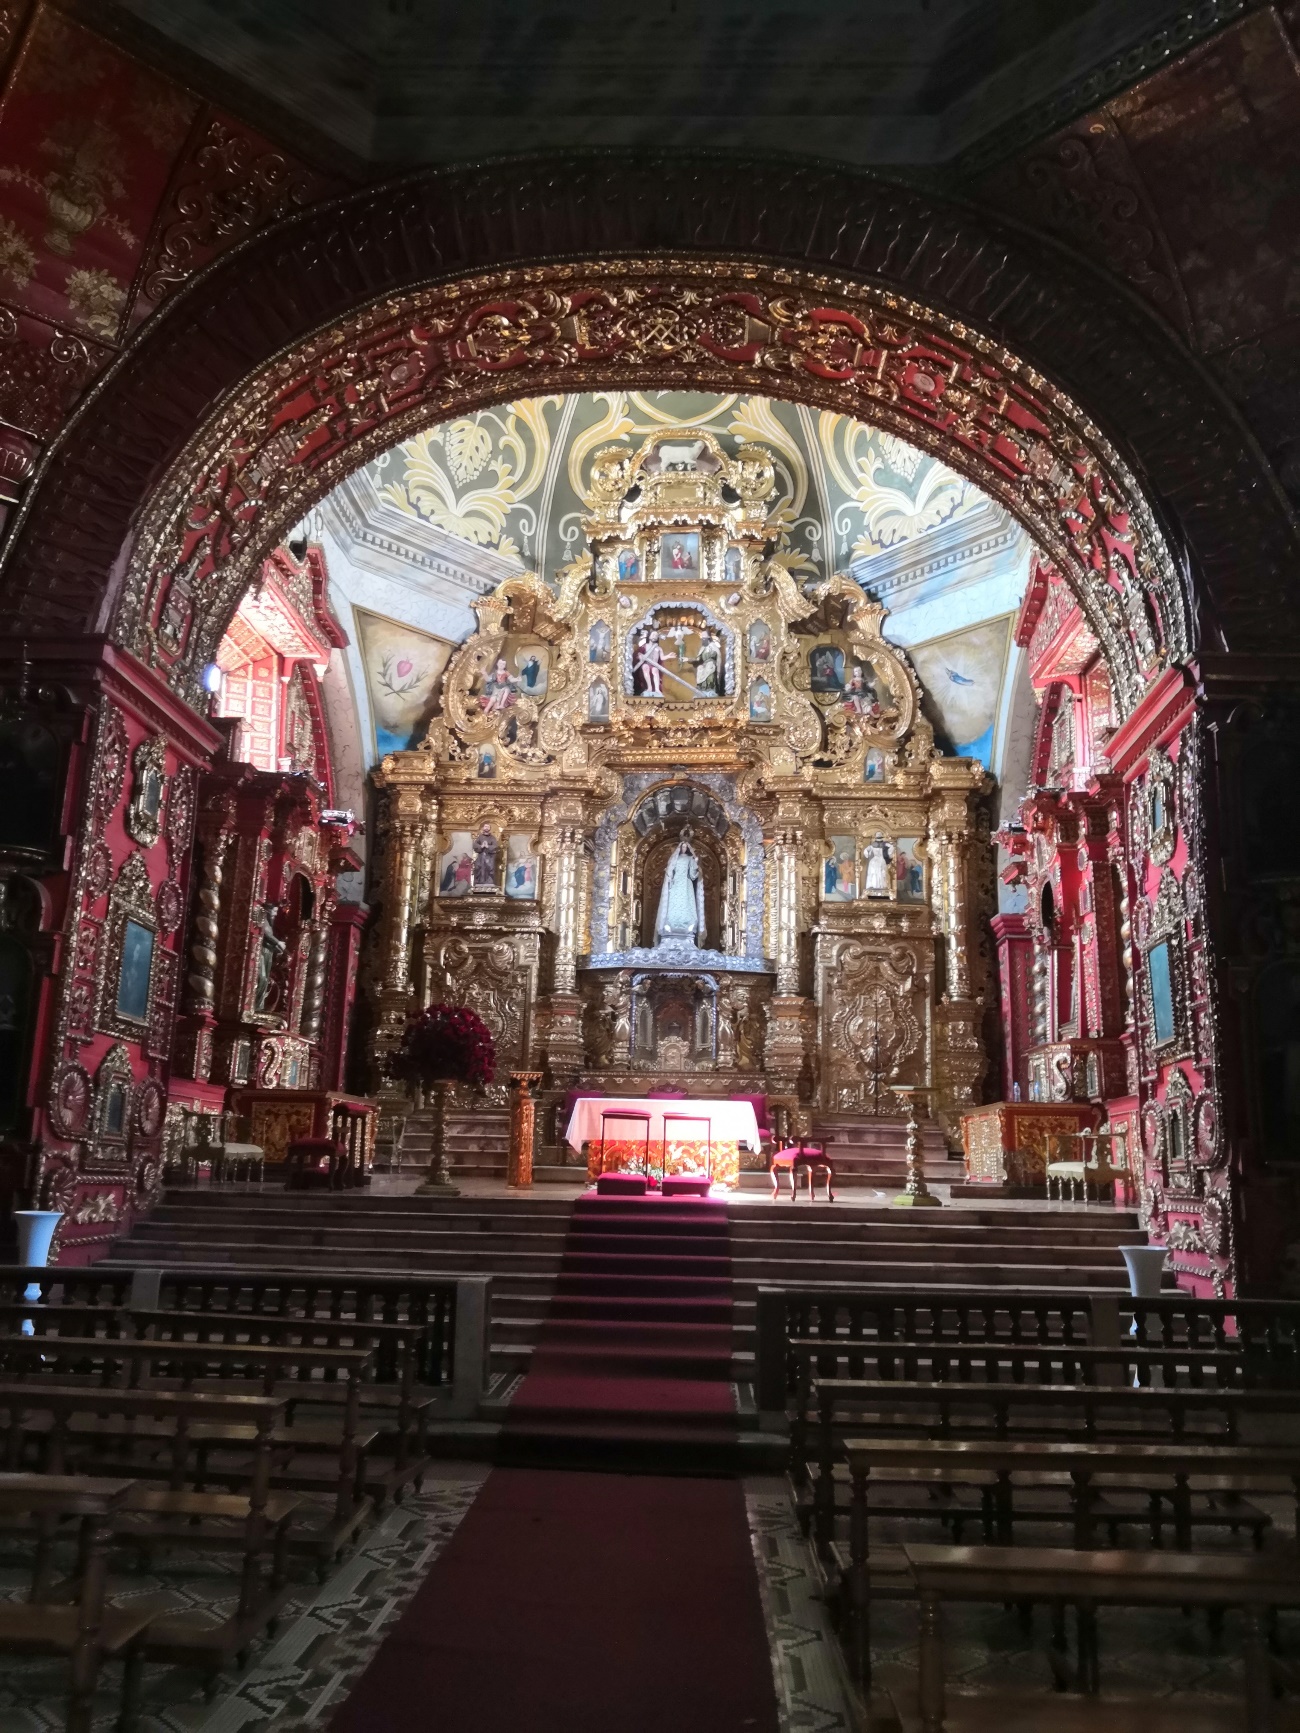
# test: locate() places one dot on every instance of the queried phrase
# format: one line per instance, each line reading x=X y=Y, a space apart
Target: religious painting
x=679 y=554
x=403 y=671
x=598 y=702
x=962 y=675
x=826 y=668
x=456 y=868
x=909 y=869
x=487 y=764
x=733 y=565
x=840 y=871
x=521 y=669
x=677 y=653
x=134 y=972
x=629 y=565
x=865 y=694
x=600 y=641
x=760 y=701
x=521 y=867
x=760 y=641
x=873 y=769
x=1160 y=974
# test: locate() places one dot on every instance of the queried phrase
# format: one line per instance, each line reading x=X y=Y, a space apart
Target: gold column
x=791 y=1018
x=563 y=837
x=408 y=817
x=960 y=1060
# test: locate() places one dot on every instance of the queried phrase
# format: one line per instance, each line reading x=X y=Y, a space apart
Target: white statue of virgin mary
x=681 y=900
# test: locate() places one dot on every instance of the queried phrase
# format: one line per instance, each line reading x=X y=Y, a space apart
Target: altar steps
x=520 y=1242
x=477 y=1143
x=874 y=1151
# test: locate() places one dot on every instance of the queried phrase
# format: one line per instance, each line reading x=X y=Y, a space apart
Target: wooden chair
x=1101 y=1170
x=686 y=1119
x=809 y=1154
x=642 y=1119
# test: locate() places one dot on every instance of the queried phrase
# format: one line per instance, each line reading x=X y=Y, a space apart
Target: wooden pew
x=429 y=1301
x=1088 y=1579
x=162 y=1436
x=84 y=1630
x=388 y=1394
x=139 y=1364
x=1026 y=1411
x=1172 y=1470
x=1266 y=1333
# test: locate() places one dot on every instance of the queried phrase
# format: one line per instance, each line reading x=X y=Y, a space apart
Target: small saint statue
x=485 y=860
x=681 y=900
x=879 y=857
x=270 y=946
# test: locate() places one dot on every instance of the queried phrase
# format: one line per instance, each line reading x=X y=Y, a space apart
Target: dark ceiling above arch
x=1040 y=301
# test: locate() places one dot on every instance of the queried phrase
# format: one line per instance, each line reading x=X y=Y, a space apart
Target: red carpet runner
x=585 y=1602
x=580 y=1603
x=633 y=1364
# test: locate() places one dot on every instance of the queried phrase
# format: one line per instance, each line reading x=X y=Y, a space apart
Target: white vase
x=35 y=1231
x=1145 y=1267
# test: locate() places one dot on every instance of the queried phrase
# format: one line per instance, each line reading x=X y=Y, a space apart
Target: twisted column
x=202 y=977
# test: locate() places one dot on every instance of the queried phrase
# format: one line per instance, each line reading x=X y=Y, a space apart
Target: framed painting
x=840 y=871
x=135 y=971
x=909 y=867
x=521 y=867
x=679 y=555
x=759 y=641
x=456 y=868
x=826 y=668
x=1160 y=973
x=760 y=701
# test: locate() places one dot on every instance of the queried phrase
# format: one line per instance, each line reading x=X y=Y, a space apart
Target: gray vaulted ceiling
x=904 y=82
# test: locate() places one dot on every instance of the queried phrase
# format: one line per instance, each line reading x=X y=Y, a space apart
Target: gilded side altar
x=676 y=692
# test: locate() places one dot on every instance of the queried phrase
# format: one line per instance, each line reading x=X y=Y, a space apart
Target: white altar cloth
x=732 y=1121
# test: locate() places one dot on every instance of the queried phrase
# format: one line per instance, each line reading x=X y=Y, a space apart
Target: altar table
x=732 y=1123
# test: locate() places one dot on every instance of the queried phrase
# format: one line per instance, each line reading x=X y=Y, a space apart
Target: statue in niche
x=270 y=947
x=879 y=857
x=681 y=900
x=485 y=860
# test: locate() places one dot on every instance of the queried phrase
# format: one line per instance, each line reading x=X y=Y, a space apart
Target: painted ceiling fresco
x=513 y=479
x=439 y=519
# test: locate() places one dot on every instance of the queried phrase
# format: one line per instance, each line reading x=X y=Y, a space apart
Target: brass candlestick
x=437 y=1182
x=918 y=1194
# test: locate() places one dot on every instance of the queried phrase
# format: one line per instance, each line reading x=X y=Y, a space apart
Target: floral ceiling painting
x=403 y=668
x=511 y=485
x=87 y=142
x=514 y=479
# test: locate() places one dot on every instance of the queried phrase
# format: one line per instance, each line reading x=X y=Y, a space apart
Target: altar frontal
x=680 y=823
x=663 y=1138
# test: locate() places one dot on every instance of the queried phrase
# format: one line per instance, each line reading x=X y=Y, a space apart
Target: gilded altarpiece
x=681 y=819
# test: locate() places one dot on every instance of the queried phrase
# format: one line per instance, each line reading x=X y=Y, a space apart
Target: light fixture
x=212 y=677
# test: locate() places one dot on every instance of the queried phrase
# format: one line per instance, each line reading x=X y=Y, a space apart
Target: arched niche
x=631 y=845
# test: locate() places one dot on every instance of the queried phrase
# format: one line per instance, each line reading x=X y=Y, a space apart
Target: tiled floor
x=1161 y=1672
x=326 y=1635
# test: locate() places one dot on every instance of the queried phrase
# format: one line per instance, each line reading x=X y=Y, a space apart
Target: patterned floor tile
x=326 y=1637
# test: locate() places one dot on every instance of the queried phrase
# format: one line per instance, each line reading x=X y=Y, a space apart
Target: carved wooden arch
x=297 y=427
x=313 y=345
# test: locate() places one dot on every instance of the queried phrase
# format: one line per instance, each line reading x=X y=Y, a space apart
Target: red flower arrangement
x=445 y=1041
